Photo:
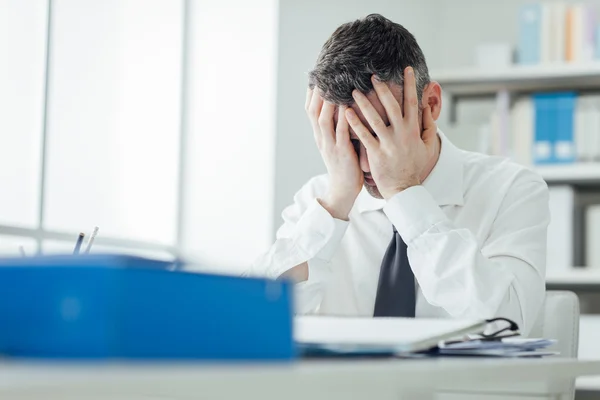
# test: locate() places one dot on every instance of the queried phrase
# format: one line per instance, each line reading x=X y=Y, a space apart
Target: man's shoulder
x=496 y=172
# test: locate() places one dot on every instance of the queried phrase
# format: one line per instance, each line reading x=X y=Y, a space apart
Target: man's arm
x=304 y=246
x=315 y=223
x=503 y=277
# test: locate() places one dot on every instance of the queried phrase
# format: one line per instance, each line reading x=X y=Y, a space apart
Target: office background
x=178 y=128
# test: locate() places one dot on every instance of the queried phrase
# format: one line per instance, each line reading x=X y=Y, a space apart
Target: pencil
x=78 y=243
x=92 y=237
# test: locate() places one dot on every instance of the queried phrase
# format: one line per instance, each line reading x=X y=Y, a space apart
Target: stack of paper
x=343 y=335
x=507 y=347
x=421 y=337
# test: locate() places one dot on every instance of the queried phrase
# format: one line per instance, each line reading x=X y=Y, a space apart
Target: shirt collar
x=444 y=183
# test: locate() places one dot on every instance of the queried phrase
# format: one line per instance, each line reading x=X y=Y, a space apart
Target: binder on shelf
x=592 y=235
x=560 y=250
x=581 y=128
x=564 y=140
x=103 y=306
x=522 y=128
x=593 y=127
x=558 y=22
x=547 y=36
x=545 y=122
x=530 y=30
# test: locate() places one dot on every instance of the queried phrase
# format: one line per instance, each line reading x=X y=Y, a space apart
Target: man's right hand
x=341 y=160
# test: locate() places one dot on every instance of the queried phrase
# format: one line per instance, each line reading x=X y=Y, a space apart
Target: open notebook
x=373 y=335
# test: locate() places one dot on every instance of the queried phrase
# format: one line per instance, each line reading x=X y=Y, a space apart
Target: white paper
x=379 y=331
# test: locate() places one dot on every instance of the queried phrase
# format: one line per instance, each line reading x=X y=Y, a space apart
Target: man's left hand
x=400 y=152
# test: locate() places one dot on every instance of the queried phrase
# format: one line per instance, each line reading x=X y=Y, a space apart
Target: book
x=546 y=36
x=522 y=128
x=588 y=40
x=580 y=33
x=558 y=23
x=592 y=236
x=570 y=34
x=583 y=151
x=373 y=335
x=529 y=42
x=560 y=252
x=593 y=127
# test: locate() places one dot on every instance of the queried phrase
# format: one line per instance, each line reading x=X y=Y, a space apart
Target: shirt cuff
x=318 y=234
x=413 y=212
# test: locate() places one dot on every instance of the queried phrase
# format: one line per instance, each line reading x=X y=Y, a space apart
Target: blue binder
x=127 y=307
x=545 y=128
x=564 y=140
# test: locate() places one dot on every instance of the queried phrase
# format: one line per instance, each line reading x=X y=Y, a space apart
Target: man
x=404 y=223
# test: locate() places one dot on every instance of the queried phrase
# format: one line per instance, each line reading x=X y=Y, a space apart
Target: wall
x=304 y=27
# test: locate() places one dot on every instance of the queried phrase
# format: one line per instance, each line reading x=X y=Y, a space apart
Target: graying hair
x=359 y=49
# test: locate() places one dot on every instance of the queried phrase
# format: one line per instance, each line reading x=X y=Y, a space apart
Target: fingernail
x=409 y=71
x=375 y=78
x=354 y=93
x=349 y=114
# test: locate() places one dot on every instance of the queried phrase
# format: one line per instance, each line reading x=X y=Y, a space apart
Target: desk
x=306 y=380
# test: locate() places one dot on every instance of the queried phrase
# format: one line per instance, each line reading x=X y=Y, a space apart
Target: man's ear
x=432 y=97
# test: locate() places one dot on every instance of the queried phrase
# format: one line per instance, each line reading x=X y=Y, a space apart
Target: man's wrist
x=338 y=207
x=388 y=194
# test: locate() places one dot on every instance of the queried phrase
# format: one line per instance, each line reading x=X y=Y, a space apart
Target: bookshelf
x=588 y=276
x=582 y=173
x=472 y=81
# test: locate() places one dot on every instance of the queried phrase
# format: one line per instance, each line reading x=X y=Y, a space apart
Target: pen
x=78 y=244
x=92 y=237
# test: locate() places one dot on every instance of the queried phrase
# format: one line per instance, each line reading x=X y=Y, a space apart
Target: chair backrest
x=560 y=320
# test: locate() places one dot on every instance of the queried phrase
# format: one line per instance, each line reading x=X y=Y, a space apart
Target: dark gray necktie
x=396 y=294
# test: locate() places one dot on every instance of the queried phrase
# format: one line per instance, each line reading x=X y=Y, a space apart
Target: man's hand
x=341 y=160
x=400 y=153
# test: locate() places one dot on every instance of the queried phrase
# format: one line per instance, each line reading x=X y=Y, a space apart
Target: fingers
x=314 y=108
x=309 y=94
x=429 y=126
x=313 y=111
x=411 y=101
x=326 y=123
x=387 y=99
x=371 y=114
x=342 y=133
x=361 y=131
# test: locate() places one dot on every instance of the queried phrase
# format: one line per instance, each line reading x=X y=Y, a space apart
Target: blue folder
x=545 y=128
x=101 y=306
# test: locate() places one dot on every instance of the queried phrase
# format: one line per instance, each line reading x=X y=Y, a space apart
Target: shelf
x=574 y=277
x=570 y=173
x=521 y=79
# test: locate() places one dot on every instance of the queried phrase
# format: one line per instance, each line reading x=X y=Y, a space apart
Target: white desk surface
x=343 y=379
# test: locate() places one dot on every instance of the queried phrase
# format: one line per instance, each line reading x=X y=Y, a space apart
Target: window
x=21 y=109
x=113 y=118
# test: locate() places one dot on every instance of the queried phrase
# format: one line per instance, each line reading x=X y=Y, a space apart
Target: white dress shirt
x=476 y=236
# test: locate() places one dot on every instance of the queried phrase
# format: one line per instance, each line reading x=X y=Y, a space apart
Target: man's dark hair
x=359 y=49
